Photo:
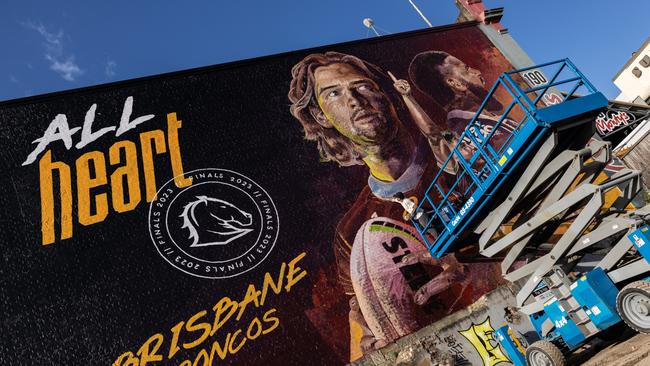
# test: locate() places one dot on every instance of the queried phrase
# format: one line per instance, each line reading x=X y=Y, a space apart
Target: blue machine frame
x=479 y=164
x=641 y=239
x=489 y=165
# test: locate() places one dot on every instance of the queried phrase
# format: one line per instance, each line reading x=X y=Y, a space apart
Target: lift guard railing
x=494 y=144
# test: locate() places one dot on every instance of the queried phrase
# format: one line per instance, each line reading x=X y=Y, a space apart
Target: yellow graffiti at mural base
x=481 y=336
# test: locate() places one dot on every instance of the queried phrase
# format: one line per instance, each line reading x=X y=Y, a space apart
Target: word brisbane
x=96 y=175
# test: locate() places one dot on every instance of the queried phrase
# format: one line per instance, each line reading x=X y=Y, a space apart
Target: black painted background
x=88 y=299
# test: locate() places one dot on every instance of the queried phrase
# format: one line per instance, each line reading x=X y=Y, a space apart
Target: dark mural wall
x=233 y=262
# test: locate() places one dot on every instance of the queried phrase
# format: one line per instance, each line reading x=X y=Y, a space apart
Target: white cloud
x=110 y=69
x=68 y=69
x=60 y=62
x=14 y=80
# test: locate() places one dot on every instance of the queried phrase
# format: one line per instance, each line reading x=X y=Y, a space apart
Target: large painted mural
x=249 y=213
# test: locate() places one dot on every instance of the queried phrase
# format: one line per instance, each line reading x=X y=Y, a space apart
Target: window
x=636 y=72
x=645 y=61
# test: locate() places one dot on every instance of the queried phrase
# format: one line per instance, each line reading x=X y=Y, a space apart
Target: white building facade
x=634 y=82
x=634 y=78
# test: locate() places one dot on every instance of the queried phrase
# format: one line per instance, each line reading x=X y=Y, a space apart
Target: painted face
x=463 y=79
x=354 y=104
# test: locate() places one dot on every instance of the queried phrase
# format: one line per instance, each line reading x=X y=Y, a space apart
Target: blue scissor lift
x=491 y=163
x=530 y=166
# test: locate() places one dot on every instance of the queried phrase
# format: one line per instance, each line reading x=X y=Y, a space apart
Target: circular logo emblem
x=222 y=225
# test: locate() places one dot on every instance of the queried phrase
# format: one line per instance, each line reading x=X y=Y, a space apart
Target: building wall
x=637 y=158
x=634 y=78
x=463 y=338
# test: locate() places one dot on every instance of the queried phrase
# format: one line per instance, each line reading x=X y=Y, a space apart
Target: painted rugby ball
x=383 y=285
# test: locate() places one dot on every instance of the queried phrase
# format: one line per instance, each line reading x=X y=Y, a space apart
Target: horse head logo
x=212 y=221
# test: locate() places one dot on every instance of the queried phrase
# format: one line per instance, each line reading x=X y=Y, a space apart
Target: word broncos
x=221 y=330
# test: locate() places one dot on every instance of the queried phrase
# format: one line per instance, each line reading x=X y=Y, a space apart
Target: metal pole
x=420 y=12
x=374 y=30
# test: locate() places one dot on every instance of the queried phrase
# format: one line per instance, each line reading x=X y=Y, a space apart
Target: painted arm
x=452 y=272
x=421 y=118
x=362 y=341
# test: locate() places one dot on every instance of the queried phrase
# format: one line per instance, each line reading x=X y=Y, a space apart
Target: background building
x=634 y=77
x=634 y=82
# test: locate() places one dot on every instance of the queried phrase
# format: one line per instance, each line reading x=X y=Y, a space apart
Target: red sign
x=609 y=121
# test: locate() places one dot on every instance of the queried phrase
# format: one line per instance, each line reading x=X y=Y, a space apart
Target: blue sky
x=57 y=45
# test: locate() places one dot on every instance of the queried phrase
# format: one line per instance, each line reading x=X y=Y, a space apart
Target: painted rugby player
x=357 y=115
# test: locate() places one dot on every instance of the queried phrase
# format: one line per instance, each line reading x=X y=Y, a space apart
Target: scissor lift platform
x=484 y=159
